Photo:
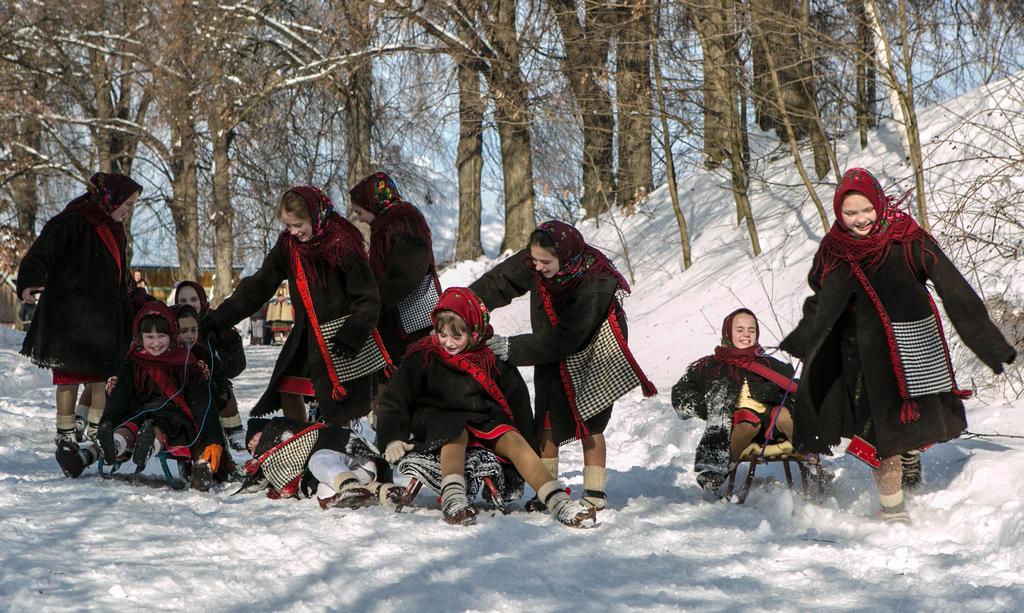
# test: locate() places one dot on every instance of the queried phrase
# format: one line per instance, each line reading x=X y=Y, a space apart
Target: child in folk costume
x=321 y=255
x=290 y=457
x=81 y=326
x=876 y=362
x=450 y=392
x=159 y=402
x=402 y=259
x=578 y=344
x=223 y=353
x=738 y=391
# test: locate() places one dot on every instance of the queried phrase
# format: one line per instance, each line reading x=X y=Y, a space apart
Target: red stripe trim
x=63 y=377
x=301 y=386
x=111 y=244
x=338 y=391
x=745 y=416
x=496 y=433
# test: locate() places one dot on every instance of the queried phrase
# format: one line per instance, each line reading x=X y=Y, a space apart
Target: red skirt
x=64 y=377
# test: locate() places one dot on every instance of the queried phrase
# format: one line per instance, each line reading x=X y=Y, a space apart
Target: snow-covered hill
x=660 y=546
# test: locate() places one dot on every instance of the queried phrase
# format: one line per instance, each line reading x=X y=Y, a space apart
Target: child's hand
x=203 y=368
x=111 y=384
x=395 y=450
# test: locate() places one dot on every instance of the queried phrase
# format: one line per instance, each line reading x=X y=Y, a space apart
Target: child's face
x=744 y=331
x=155 y=343
x=254 y=442
x=187 y=294
x=858 y=214
x=188 y=331
x=544 y=262
x=363 y=215
x=300 y=229
x=454 y=342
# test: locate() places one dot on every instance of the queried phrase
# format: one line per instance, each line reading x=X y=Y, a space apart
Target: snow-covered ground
x=107 y=545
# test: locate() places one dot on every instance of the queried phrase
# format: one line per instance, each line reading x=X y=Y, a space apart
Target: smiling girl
x=876 y=361
x=321 y=255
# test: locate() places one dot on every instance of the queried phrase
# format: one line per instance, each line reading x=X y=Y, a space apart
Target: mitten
x=395 y=450
x=499 y=345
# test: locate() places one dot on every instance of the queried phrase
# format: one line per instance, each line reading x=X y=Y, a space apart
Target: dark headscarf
x=577 y=261
x=204 y=302
x=334 y=238
x=393 y=216
x=104 y=193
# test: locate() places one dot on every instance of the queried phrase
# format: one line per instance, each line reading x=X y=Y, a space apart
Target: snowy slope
x=660 y=546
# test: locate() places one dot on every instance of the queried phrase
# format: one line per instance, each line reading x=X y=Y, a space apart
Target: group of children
x=374 y=332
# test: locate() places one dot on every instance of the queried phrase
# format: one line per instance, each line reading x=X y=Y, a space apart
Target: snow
x=660 y=545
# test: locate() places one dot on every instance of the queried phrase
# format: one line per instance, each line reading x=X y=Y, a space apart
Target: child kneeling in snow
x=450 y=390
x=289 y=456
x=159 y=401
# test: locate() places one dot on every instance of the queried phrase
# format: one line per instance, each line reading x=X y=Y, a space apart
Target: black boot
x=73 y=460
x=105 y=439
x=144 y=445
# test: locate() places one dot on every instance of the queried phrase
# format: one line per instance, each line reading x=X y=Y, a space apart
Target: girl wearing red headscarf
x=574 y=296
x=77 y=271
x=321 y=255
x=738 y=391
x=224 y=355
x=451 y=391
x=402 y=259
x=876 y=362
x=160 y=402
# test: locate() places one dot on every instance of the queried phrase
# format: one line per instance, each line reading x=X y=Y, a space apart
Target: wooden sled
x=809 y=465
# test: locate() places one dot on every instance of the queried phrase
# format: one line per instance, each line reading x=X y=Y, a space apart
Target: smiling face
x=187 y=294
x=300 y=228
x=453 y=341
x=859 y=214
x=124 y=208
x=544 y=261
x=155 y=343
x=744 y=331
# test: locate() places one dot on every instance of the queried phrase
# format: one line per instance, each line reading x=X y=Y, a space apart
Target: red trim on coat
x=497 y=432
x=338 y=391
x=66 y=377
x=745 y=416
x=111 y=244
x=300 y=386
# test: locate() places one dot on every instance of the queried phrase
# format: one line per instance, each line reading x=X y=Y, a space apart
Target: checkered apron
x=923 y=356
x=414 y=310
x=370 y=359
x=602 y=372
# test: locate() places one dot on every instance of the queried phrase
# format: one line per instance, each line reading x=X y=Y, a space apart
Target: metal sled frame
x=163 y=456
x=806 y=463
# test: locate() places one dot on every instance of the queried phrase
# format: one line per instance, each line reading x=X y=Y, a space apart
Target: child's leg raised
x=550 y=491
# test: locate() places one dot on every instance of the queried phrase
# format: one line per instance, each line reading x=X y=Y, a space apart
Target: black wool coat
x=710 y=390
x=579 y=319
x=128 y=403
x=848 y=375
x=345 y=289
x=83 y=322
x=434 y=402
x=408 y=262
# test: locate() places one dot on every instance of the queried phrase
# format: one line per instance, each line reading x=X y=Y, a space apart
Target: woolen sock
x=891 y=501
x=120 y=444
x=594 y=480
x=453 y=493
x=82 y=411
x=553 y=495
x=231 y=422
x=94 y=417
x=344 y=481
x=65 y=422
x=552 y=465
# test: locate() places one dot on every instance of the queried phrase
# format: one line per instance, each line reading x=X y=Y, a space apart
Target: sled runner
x=181 y=482
x=756 y=454
x=486 y=473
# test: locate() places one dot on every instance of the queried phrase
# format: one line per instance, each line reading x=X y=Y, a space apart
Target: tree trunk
x=864 y=105
x=359 y=99
x=633 y=93
x=585 y=67
x=512 y=116
x=708 y=19
x=220 y=209
x=184 y=204
x=666 y=143
x=469 y=161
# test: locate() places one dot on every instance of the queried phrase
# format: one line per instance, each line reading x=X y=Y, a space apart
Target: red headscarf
x=104 y=193
x=334 y=238
x=379 y=195
x=728 y=356
x=577 y=261
x=165 y=372
x=204 y=302
x=891 y=225
x=464 y=303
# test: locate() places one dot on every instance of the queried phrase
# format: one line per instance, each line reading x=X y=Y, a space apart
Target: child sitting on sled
x=451 y=391
x=160 y=401
x=290 y=457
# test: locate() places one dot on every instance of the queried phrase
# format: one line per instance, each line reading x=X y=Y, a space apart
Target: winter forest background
x=697 y=142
